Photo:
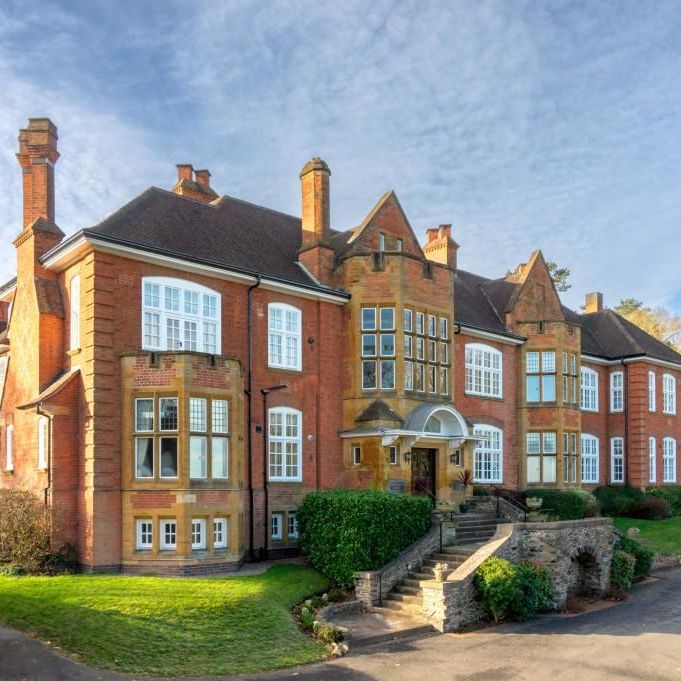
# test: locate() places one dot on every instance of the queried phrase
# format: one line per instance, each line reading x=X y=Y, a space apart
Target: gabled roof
x=228 y=233
x=481 y=303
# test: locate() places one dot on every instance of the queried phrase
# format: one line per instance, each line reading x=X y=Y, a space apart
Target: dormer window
x=180 y=315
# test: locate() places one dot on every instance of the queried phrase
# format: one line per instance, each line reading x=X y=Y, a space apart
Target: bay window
x=180 y=315
x=540 y=380
x=378 y=349
x=569 y=378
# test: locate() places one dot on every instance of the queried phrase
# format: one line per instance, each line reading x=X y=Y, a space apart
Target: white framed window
x=432 y=326
x=651 y=391
x=276 y=530
x=668 y=394
x=652 y=460
x=285 y=444
x=43 y=441
x=180 y=315
x=220 y=416
x=393 y=455
x=198 y=534
x=197 y=414
x=144 y=457
x=483 y=370
x=219 y=533
x=444 y=328
x=144 y=415
x=616 y=460
x=368 y=320
x=669 y=459
x=220 y=458
x=198 y=457
x=9 y=448
x=420 y=323
x=292 y=521
x=285 y=329
x=589 y=458
x=616 y=391
x=408 y=320
x=541 y=457
x=168 y=535
x=145 y=534
x=74 y=317
x=488 y=455
x=589 y=389
x=167 y=413
x=356 y=455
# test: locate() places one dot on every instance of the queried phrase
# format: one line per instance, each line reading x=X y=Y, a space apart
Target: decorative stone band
x=577 y=552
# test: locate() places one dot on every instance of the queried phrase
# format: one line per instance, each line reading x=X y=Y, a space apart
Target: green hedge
x=343 y=531
x=672 y=494
x=617 y=500
x=622 y=569
x=567 y=504
x=643 y=555
x=514 y=590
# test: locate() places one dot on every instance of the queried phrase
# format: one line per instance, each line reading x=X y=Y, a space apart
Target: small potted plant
x=466 y=481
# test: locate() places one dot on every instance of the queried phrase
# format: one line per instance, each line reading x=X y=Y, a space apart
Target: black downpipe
x=249 y=424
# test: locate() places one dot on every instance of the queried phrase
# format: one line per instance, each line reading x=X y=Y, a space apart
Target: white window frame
x=669 y=394
x=588 y=389
x=220 y=544
x=356 y=455
x=181 y=315
x=616 y=392
x=489 y=374
x=153 y=457
x=652 y=459
x=285 y=336
x=486 y=448
x=74 y=313
x=140 y=533
x=200 y=461
x=668 y=460
x=292 y=515
x=276 y=533
x=43 y=441
x=9 y=448
x=199 y=523
x=393 y=455
x=284 y=440
x=153 y=414
x=162 y=535
x=592 y=456
x=617 y=443
x=652 y=401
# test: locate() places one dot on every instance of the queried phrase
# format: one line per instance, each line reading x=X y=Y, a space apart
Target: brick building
x=174 y=379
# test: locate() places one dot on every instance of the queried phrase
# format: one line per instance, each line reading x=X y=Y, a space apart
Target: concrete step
x=406 y=608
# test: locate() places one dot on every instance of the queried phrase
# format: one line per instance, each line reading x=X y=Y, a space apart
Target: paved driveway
x=639 y=639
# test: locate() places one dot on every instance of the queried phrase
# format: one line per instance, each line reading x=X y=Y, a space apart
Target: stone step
x=403 y=588
x=420 y=576
x=476 y=523
x=409 y=599
x=452 y=561
x=465 y=533
x=402 y=607
x=411 y=583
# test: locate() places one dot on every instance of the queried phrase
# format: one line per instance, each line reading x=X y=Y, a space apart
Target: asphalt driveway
x=639 y=639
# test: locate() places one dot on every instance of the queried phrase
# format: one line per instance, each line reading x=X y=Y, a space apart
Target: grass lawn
x=168 y=627
x=662 y=536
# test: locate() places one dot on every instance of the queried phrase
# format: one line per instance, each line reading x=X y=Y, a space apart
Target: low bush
x=327 y=633
x=643 y=555
x=617 y=500
x=516 y=591
x=568 y=504
x=672 y=494
x=480 y=491
x=649 y=508
x=12 y=570
x=343 y=531
x=622 y=569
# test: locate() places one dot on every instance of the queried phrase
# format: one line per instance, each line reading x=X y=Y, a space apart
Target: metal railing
x=510 y=497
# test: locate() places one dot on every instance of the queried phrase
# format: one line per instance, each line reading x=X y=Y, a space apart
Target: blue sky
x=552 y=125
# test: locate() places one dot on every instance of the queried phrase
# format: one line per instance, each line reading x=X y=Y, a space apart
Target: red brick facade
x=366 y=359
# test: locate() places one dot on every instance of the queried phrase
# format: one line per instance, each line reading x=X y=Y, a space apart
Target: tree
x=658 y=322
x=560 y=276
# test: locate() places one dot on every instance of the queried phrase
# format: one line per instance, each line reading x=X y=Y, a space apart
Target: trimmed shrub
x=643 y=555
x=617 y=500
x=343 y=531
x=650 y=508
x=671 y=493
x=24 y=530
x=622 y=569
x=512 y=590
x=565 y=504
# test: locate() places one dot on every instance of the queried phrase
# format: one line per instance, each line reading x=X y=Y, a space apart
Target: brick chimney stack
x=37 y=157
x=593 y=302
x=440 y=246
x=314 y=179
x=194 y=184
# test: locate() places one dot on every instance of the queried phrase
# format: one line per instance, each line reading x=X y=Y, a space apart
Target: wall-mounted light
x=407 y=456
x=455 y=457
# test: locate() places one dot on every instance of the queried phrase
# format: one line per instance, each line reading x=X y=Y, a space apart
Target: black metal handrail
x=510 y=497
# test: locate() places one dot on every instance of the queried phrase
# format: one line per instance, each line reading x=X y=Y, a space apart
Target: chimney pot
x=202 y=177
x=593 y=302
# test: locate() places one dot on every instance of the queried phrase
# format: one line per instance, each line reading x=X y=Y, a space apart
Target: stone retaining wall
x=371 y=587
x=577 y=552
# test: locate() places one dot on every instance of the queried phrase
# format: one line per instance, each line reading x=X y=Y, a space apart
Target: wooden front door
x=423 y=472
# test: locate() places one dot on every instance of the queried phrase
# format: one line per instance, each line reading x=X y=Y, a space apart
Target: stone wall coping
x=564 y=524
x=326 y=614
